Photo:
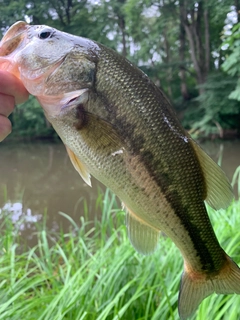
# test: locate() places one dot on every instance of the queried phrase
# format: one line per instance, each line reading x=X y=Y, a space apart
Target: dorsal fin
x=79 y=166
x=219 y=189
x=143 y=237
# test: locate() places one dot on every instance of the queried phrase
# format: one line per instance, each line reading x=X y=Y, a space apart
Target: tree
x=195 y=20
x=177 y=43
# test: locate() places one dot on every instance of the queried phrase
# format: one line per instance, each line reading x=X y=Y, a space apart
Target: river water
x=37 y=180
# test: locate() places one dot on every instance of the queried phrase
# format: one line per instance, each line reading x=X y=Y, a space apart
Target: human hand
x=12 y=92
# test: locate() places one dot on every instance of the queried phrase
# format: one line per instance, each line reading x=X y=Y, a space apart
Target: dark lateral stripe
x=200 y=232
x=207 y=248
x=210 y=254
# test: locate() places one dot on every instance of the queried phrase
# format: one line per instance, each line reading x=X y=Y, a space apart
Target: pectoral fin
x=79 y=166
x=143 y=237
x=219 y=189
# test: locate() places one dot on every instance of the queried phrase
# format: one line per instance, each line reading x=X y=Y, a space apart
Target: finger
x=6 y=104
x=5 y=127
x=11 y=85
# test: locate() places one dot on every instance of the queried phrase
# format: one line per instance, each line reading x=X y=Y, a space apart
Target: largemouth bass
x=119 y=127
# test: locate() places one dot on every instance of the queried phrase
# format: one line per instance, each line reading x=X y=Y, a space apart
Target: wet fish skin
x=119 y=127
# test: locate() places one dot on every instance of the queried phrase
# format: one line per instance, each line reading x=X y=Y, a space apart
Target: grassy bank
x=93 y=272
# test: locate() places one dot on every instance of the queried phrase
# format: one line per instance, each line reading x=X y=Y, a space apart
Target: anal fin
x=79 y=166
x=143 y=237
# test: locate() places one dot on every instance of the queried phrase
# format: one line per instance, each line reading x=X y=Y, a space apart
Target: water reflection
x=23 y=219
x=37 y=179
x=40 y=177
x=17 y=212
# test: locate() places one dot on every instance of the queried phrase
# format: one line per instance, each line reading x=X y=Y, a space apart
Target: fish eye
x=45 y=34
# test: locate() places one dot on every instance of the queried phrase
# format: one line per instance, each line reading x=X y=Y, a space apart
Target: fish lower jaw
x=9 y=66
x=32 y=75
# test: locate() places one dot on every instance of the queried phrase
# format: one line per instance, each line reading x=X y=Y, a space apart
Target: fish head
x=49 y=62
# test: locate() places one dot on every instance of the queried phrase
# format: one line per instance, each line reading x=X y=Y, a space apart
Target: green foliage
x=93 y=272
x=11 y=11
x=154 y=33
x=29 y=121
x=218 y=16
x=149 y=34
x=215 y=110
x=232 y=63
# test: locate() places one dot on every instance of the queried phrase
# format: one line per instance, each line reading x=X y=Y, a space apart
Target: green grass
x=93 y=272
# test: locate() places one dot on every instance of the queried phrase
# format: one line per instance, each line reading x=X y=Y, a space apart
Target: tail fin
x=195 y=288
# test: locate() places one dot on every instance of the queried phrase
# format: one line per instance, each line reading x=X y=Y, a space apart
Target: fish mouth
x=17 y=38
x=13 y=37
x=11 y=42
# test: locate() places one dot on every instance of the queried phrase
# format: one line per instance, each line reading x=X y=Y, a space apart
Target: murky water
x=38 y=178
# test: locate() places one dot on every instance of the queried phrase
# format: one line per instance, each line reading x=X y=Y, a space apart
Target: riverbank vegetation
x=190 y=49
x=93 y=272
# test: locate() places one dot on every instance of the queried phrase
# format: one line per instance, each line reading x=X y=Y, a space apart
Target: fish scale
x=119 y=127
x=149 y=104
